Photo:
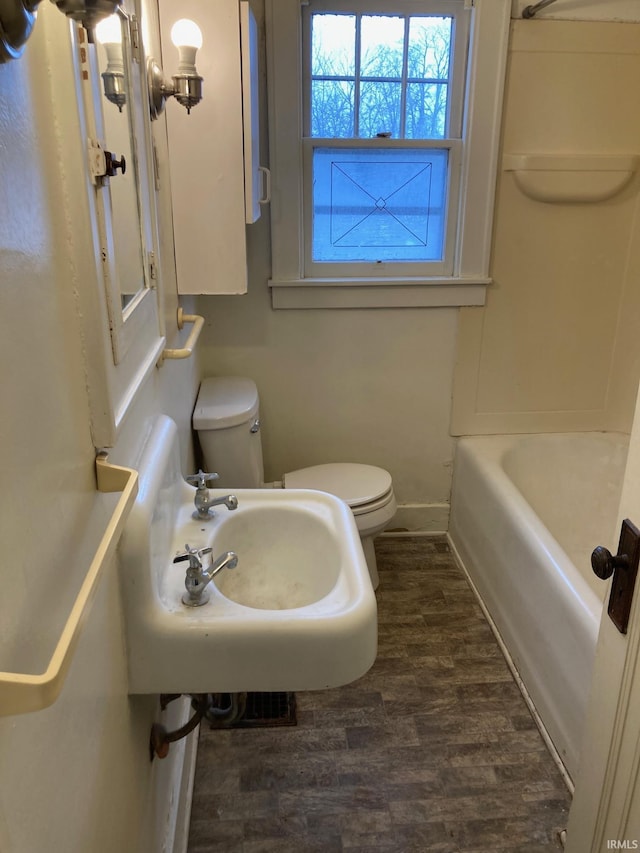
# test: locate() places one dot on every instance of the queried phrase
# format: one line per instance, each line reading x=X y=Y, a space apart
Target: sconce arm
x=159 y=88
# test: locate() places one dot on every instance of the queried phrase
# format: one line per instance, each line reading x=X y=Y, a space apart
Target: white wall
x=369 y=386
x=554 y=349
x=75 y=777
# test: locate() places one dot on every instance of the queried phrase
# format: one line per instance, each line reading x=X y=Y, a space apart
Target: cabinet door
x=206 y=153
x=255 y=193
x=122 y=215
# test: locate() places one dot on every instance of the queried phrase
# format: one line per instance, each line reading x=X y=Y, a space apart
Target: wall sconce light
x=87 y=12
x=187 y=83
x=17 y=18
x=109 y=34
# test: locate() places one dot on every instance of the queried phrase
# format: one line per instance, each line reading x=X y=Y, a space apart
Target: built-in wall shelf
x=571 y=178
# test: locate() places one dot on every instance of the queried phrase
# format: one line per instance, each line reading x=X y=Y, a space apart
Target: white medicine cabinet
x=217 y=184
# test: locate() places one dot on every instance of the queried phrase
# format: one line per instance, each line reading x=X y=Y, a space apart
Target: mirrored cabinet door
x=114 y=62
x=115 y=113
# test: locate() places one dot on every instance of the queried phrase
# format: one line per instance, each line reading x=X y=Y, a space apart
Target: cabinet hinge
x=469 y=4
x=134 y=33
x=153 y=270
x=156 y=167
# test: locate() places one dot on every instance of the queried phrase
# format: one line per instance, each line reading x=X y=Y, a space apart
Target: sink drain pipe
x=221 y=717
x=204 y=705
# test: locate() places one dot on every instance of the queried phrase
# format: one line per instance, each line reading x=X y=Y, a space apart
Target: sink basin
x=297 y=613
x=288 y=555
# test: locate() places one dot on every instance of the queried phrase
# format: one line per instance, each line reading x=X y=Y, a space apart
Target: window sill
x=380 y=293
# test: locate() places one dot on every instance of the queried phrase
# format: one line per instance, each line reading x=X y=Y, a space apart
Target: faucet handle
x=201 y=480
x=194 y=555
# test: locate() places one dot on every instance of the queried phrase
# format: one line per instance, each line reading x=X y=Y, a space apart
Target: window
x=377 y=188
x=390 y=87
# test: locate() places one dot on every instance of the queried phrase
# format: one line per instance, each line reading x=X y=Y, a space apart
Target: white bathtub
x=526 y=512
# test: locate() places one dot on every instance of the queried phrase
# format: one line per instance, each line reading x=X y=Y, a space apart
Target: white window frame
x=451 y=142
x=291 y=286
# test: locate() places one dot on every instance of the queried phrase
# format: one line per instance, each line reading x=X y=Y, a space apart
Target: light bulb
x=109 y=30
x=109 y=35
x=186 y=33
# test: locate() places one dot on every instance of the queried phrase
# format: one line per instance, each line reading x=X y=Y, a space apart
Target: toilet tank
x=226 y=418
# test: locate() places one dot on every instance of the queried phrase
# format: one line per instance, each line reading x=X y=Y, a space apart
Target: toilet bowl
x=226 y=418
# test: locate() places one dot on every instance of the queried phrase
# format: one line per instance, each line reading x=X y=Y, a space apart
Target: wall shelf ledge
x=571 y=178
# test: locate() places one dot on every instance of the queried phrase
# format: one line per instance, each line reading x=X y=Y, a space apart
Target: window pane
x=333 y=45
x=429 y=48
x=379 y=205
x=381 y=46
x=426 y=116
x=379 y=109
x=332 y=108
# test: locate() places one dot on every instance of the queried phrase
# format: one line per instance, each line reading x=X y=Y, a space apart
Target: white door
x=605 y=814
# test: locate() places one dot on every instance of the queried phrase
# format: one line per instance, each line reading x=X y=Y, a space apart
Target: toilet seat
x=365 y=488
x=373 y=506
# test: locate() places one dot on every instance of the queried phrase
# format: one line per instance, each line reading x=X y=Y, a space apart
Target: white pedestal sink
x=297 y=613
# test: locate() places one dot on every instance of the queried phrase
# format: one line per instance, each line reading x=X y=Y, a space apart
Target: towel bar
x=187 y=349
x=23 y=692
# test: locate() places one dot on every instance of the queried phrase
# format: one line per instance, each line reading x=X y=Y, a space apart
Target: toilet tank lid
x=225 y=401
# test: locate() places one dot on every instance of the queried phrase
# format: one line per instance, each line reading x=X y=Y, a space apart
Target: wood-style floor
x=432 y=750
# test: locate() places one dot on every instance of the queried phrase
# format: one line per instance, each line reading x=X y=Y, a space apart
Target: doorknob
x=624 y=568
x=604 y=563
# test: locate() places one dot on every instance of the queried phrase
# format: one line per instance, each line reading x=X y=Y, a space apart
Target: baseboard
x=421 y=518
x=183 y=817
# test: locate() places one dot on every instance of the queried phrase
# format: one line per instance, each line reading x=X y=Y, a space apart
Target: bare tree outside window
x=387 y=74
x=333 y=76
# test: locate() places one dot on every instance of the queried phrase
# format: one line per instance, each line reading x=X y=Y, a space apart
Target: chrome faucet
x=202 y=502
x=197 y=577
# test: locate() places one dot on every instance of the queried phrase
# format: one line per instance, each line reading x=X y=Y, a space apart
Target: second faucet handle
x=194 y=555
x=201 y=480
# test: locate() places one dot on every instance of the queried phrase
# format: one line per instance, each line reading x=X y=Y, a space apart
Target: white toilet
x=227 y=420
